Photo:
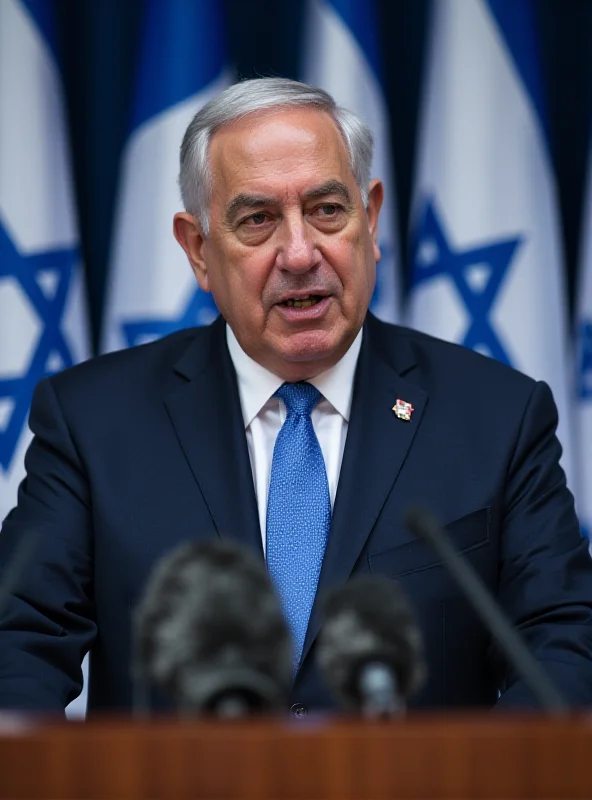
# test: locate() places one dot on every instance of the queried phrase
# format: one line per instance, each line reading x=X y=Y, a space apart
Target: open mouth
x=302 y=302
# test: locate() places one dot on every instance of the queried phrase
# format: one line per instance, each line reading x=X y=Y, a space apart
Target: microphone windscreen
x=209 y=609
x=369 y=619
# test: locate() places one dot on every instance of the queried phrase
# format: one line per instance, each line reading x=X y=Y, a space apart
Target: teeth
x=303 y=302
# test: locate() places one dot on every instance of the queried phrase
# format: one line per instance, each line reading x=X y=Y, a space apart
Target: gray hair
x=248 y=97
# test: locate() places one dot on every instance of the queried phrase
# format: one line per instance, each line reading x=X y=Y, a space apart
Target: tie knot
x=300 y=398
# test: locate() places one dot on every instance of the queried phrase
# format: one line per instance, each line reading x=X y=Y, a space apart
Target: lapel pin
x=403 y=410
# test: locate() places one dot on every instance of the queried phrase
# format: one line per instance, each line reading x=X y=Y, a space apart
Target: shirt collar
x=256 y=384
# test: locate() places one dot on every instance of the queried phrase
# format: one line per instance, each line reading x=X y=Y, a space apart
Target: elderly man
x=296 y=424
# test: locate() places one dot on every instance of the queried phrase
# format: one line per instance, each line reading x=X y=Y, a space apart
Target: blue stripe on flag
x=42 y=12
x=360 y=18
x=516 y=20
x=182 y=52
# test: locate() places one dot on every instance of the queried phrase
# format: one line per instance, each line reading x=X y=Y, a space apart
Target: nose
x=297 y=249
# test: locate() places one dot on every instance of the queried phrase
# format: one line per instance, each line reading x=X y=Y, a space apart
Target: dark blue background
x=98 y=41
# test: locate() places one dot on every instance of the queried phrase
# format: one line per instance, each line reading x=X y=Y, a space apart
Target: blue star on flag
x=41 y=281
x=477 y=274
x=199 y=310
x=585 y=360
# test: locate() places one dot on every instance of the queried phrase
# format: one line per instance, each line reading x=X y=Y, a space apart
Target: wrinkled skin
x=287 y=221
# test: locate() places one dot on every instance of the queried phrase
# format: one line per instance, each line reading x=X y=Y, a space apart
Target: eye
x=329 y=217
x=255 y=228
x=255 y=220
x=328 y=210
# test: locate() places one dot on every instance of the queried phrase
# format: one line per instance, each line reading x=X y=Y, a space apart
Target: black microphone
x=425 y=526
x=210 y=631
x=370 y=647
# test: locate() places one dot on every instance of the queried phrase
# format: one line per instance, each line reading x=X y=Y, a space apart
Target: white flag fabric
x=342 y=56
x=152 y=291
x=43 y=314
x=584 y=363
x=43 y=321
x=487 y=262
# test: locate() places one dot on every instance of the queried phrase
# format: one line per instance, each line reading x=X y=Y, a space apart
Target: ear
x=375 y=198
x=189 y=234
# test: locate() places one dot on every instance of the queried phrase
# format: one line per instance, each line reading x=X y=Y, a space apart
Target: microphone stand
x=425 y=526
x=379 y=691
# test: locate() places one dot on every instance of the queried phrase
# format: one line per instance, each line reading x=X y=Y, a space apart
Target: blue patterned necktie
x=298 y=510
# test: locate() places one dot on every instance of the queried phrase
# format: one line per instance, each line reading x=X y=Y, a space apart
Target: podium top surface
x=491 y=755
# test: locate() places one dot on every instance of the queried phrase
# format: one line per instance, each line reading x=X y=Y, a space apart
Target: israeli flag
x=342 y=56
x=43 y=322
x=584 y=364
x=487 y=262
x=152 y=290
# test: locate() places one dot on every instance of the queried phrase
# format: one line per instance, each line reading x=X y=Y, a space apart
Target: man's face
x=291 y=254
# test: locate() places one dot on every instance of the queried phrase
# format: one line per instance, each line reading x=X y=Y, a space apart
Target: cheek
x=350 y=261
x=357 y=272
x=250 y=277
x=244 y=277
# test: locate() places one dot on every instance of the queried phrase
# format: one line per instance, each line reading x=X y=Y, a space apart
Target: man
x=296 y=424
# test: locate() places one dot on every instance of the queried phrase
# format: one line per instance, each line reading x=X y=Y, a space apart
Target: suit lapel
x=206 y=415
x=376 y=446
x=205 y=412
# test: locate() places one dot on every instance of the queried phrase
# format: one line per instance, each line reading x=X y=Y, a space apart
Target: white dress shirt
x=264 y=415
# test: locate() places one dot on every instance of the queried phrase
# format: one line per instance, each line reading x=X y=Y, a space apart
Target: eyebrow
x=254 y=201
x=328 y=188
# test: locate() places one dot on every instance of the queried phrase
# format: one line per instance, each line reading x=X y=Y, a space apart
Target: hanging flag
x=43 y=315
x=43 y=324
x=584 y=364
x=342 y=56
x=487 y=263
x=152 y=290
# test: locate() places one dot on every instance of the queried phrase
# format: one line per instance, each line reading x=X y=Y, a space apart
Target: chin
x=307 y=357
x=309 y=345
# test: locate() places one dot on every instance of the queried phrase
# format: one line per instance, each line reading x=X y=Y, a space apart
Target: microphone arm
x=425 y=526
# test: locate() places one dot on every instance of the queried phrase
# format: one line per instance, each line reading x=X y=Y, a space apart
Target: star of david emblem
x=585 y=360
x=199 y=309
x=477 y=274
x=33 y=294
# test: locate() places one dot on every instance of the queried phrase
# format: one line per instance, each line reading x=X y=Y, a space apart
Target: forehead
x=271 y=151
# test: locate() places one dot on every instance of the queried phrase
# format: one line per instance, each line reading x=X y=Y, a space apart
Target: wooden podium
x=485 y=756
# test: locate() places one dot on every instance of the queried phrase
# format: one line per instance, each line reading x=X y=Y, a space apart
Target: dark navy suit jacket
x=137 y=451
